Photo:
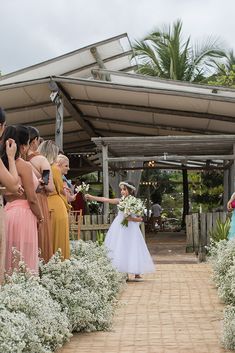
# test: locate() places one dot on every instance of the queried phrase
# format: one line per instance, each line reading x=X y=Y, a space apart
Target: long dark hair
x=2 y=116
x=20 y=134
x=33 y=133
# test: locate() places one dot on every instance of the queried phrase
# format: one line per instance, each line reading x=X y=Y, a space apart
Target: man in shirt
x=156 y=215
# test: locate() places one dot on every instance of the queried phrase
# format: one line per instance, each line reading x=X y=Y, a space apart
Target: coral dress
x=45 y=231
x=21 y=233
x=127 y=247
x=2 y=240
x=59 y=207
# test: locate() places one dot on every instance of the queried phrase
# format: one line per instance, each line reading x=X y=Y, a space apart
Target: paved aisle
x=174 y=310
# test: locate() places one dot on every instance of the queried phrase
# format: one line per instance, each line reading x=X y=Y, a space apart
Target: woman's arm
x=26 y=174
x=45 y=165
x=135 y=219
x=229 y=206
x=10 y=179
x=101 y=199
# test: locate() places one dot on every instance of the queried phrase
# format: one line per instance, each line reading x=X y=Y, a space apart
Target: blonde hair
x=61 y=158
x=49 y=150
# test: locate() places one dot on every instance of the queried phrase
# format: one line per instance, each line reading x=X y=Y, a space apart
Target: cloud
x=33 y=31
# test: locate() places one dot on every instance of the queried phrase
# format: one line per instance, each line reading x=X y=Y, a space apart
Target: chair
x=75 y=222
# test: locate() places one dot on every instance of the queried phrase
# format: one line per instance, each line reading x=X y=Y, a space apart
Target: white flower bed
x=222 y=258
x=228 y=335
x=30 y=320
x=83 y=289
x=38 y=315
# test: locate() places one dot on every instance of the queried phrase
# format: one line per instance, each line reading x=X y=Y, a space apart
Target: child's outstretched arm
x=101 y=199
x=135 y=219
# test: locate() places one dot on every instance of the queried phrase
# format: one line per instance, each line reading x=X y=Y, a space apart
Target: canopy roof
x=113 y=54
x=107 y=103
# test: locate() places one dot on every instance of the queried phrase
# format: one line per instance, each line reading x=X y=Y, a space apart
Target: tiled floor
x=174 y=310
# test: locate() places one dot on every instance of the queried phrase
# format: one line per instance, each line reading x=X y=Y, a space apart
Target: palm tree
x=162 y=53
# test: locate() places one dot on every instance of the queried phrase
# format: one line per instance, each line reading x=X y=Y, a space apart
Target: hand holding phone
x=45 y=176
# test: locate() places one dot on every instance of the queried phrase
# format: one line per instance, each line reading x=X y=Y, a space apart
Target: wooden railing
x=86 y=227
x=198 y=227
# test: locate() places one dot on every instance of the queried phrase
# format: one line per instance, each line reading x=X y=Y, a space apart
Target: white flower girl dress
x=127 y=248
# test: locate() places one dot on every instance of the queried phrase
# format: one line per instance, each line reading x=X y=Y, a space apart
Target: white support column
x=59 y=123
x=105 y=179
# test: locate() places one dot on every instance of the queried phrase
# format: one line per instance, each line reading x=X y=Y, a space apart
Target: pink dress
x=22 y=234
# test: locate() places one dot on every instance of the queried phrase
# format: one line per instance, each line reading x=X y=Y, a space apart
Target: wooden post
x=189 y=233
x=195 y=222
x=202 y=238
x=185 y=196
x=105 y=179
x=226 y=189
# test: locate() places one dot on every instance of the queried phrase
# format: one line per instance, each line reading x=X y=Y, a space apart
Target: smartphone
x=45 y=176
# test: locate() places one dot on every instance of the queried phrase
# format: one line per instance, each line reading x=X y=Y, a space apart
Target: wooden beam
x=103 y=76
x=156 y=126
x=157 y=110
x=169 y=157
x=75 y=112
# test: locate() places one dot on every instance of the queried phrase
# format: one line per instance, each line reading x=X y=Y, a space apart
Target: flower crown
x=128 y=185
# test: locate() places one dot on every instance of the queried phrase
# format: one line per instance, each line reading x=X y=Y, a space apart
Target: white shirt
x=156 y=210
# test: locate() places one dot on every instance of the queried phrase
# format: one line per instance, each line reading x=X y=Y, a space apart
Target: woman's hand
x=11 y=148
x=88 y=197
x=229 y=206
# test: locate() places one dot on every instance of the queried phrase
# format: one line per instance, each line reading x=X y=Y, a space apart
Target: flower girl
x=124 y=240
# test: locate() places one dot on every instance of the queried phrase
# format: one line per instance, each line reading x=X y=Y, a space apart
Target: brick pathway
x=174 y=310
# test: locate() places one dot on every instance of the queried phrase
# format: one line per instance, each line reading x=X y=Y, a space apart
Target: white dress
x=127 y=247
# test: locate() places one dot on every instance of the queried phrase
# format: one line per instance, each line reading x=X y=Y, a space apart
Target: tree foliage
x=163 y=53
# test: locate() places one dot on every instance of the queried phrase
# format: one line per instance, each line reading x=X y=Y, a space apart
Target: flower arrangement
x=83 y=188
x=30 y=320
x=83 y=291
x=130 y=206
x=222 y=258
x=37 y=315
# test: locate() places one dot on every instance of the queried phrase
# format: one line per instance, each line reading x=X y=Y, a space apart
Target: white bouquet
x=130 y=206
x=83 y=188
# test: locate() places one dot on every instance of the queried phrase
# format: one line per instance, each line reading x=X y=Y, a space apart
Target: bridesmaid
x=57 y=201
x=230 y=207
x=10 y=180
x=40 y=163
x=23 y=213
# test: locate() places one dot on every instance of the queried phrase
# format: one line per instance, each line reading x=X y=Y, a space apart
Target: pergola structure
x=188 y=152
x=92 y=97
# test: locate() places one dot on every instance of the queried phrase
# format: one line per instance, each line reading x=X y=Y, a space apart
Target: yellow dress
x=58 y=206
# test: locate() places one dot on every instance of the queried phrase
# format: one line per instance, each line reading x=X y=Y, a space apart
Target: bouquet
x=130 y=206
x=83 y=188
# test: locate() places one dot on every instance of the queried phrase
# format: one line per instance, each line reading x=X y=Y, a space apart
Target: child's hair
x=130 y=186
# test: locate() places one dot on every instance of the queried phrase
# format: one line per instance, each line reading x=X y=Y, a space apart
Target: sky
x=32 y=31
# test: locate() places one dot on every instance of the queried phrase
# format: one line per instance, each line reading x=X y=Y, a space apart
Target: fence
x=86 y=227
x=198 y=227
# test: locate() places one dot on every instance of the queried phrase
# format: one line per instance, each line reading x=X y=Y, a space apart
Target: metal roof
x=114 y=54
x=118 y=104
